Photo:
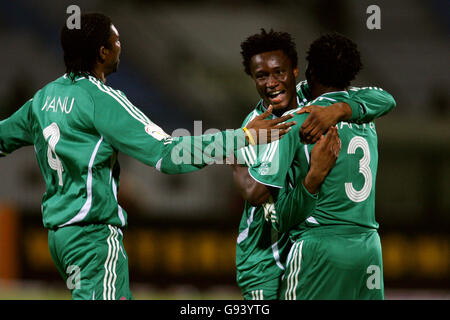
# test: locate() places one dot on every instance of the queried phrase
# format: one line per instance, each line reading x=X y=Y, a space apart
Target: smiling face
x=275 y=80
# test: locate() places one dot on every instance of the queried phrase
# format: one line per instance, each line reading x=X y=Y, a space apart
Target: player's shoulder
x=41 y=93
x=292 y=111
x=77 y=86
x=252 y=114
x=94 y=86
x=51 y=84
x=297 y=117
x=329 y=98
x=101 y=92
x=353 y=89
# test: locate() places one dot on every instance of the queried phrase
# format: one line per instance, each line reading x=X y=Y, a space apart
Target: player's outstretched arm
x=191 y=153
x=130 y=131
x=15 y=130
x=363 y=105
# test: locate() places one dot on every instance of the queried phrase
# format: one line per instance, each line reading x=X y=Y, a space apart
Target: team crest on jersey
x=156 y=132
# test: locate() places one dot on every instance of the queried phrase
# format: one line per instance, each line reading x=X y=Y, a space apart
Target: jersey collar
x=261 y=108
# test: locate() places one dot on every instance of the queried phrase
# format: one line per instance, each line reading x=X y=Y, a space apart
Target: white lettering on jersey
x=58 y=104
x=343 y=123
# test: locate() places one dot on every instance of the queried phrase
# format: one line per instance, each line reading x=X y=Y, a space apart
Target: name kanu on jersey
x=58 y=104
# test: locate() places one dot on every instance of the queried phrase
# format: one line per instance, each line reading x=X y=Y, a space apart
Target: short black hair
x=265 y=42
x=334 y=60
x=81 y=46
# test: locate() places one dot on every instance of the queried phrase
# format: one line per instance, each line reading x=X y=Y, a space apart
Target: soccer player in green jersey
x=336 y=251
x=271 y=60
x=78 y=125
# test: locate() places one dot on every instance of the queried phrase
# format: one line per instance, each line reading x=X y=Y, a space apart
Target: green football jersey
x=261 y=251
x=367 y=103
x=78 y=127
x=347 y=195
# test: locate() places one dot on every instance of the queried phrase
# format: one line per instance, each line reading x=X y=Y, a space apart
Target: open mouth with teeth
x=276 y=97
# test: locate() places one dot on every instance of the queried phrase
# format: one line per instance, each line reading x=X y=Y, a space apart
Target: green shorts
x=265 y=291
x=92 y=261
x=333 y=263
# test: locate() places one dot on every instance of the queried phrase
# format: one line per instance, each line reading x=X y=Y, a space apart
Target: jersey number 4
x=53 y=134
x=364 y=169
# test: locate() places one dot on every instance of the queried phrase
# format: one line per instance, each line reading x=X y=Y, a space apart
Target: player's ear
x=103 y=53
x=296 y=72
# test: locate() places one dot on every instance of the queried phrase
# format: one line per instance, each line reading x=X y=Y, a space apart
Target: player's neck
x=99 y=73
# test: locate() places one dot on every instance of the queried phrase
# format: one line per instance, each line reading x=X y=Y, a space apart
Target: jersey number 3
x=364 y=169
x=53 y=134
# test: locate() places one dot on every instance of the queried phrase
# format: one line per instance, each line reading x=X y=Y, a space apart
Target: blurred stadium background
x=180 y=63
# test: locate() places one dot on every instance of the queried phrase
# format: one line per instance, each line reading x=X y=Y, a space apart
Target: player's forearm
x=370 y=103
x=190 y=153
x=293 y=207
x=342 y=111
x=314 y=179
x=15 y=131
x=250 y=190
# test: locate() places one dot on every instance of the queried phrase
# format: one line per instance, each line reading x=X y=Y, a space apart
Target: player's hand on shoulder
x=264 y=131
x=320 y=119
